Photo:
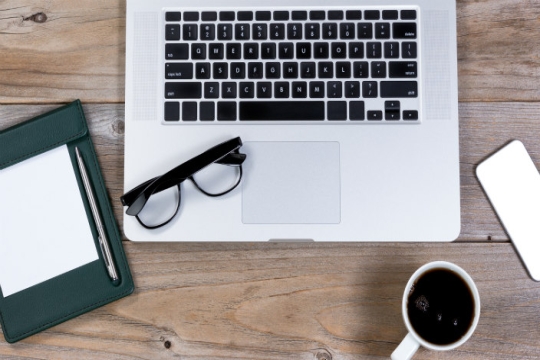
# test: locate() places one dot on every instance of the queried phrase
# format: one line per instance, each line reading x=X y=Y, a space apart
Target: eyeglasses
x=155 y=202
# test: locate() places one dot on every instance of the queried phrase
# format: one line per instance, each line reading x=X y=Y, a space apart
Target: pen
x=103 y=242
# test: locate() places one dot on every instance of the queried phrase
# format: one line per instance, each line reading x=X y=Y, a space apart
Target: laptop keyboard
x=332 y=66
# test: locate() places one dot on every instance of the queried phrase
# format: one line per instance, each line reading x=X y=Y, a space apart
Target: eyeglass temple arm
x=232 y=159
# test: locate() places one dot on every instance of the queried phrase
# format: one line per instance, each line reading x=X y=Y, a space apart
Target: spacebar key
x=281 y=110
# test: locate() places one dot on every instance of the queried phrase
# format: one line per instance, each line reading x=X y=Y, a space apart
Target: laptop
x=348 y=115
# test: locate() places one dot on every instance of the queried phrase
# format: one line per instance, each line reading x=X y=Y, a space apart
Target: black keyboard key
x=356 y=50
x=241 y=32
x=221 y=70
x=286 y=50
x=190 y=32
x=198 y=51
x=408 y=50
x=260 y=31
x=392 y=111
x=294 y=31
x=321 y=51
x=352 y=89
x=277 y=31
x=251 y=51
x=356 y=110
x=378 y=69
x=369 y=89
x=285 y=110
x=326 y=70
x=172 y=111
x=312 y=31
x=317 y=15
x=207 y=112
x=172 y=32
x=374 y=115
x=264 y=90
x=316 y=89
x=189 y=111
x=263 y=15
x=228 y=90
x=335 y=15
x=392 y=105
x=372 y=14
x=347 y=31
x=343 y=70
x=382 y=31
x=226 y=16
x=247 y=90
x=208 y=32
x=281 y=90
x=290 y=70
x=353 y=15
x=191 y=16
x=211 y=90
x=273 y=70
x=339 y=50
x=234 y=51
x=215 y=51
x=238 y=70
x=299 y=15
x=268 y=51
x=329 y=31
x=399 y=89
x=179 y=71
x=391 y=50
x=299 y=89
x=403 y=69
x=303 y=50
x=224 y=32
x=410 y=115
x=176 y=51
x=390 y=14
x=202 y=70
x=245 y=15
x=337 y=110
x=373 y=50
x=255 y=70
x=360 y=69
x=209 y=16
x=408 y=14
x=281 y=15
x=404 y=30
x=334 y=89
x=173 y=16
x=392 y=115
x=307 y=70
x=226 y=111
x=365 y=30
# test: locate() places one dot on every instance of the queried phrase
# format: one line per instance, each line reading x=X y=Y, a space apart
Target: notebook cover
x=87 y=287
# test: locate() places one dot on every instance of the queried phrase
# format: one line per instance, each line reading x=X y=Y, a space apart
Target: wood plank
x=290 y=301
x=79 y=51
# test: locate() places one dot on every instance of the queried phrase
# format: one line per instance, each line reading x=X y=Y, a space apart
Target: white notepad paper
x=44 y=230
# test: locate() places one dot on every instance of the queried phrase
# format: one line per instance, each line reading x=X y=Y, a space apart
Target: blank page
x=44 y=230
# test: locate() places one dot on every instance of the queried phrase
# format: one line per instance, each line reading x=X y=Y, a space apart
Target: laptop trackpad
x=291 y=183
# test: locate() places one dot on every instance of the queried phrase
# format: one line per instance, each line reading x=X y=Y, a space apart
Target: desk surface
x=282 y=301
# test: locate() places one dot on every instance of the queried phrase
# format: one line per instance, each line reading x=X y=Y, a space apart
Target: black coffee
x=441 y=307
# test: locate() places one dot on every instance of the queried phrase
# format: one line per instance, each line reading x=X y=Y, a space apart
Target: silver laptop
x=348 y=115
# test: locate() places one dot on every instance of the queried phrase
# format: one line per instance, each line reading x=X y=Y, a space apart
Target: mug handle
x=406 y=349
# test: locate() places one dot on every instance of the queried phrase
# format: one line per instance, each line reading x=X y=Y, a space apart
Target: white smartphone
x=512 y=184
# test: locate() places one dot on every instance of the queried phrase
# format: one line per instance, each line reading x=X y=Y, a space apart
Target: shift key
x=183 y=90
x=399 y=89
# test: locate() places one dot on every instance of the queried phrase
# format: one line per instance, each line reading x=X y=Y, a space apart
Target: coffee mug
x=441 y=309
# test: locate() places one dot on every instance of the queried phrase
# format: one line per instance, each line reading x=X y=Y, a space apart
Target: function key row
x=290 y=15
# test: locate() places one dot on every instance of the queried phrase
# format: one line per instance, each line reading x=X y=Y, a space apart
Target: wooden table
x=277 y=300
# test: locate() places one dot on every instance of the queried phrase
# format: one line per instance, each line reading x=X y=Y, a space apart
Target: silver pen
x=103 y=242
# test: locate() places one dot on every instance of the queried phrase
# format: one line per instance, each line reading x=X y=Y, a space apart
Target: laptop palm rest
x=291 y=183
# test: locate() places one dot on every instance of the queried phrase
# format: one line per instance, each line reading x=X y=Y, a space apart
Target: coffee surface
x=441 y=307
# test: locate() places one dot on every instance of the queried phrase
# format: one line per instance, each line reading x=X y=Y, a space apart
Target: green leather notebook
x=51 y=265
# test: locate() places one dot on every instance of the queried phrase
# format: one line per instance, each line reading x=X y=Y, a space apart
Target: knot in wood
x=167 y=344
x=39 y=18
x=324 y=355
x=118 y=127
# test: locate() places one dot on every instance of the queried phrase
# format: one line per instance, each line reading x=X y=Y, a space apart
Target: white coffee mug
x=413 y=340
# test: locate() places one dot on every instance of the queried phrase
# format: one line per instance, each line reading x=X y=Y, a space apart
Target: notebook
x=51 y=264
x=348 y=112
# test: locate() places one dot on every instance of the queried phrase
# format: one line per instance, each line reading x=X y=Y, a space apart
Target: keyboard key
x=313 y=31
x=234 y=51
x=191 y=16
x=228 y=90
x=334 y=89
x=352 y=89
x=294 y=31
x=176 y=51
x=390 y=14
x=339 y=50
x=347 y=31
x=238 y=70
x=224 y=32
x=208 y=32
x=392 y=105
x=320 y=51
x=408 y=50
x=356 y=50
x=392 y=115
x=198 y=51
x=260 y=31
x=299 y=15
x=299 y=89
x=317 y=15
x=281 y=15
x=277 y=31
x=374 y=115
x=410 y=115
x=372 y=15
x=179 y=71
x=172 y=32
x=360 y=69
x=378 y=69
x=263 y=15
x=307 y=70
x=356 y=110
x=369 y=89
x=251 y=51
x=382 y=31
x=343 y=70
x=303 y=50
x=354 y=15
x=290 y=70
x=268 y=50
x=335 y=15
x=408 y=14
x=215 y=51
x=207 y=111
x=326 y=70
x=247 y=90
x=281 y=90
x=391 y=50
x=337 y=110
x=403 y=69
x=241 y=32
x=245 y=15
x=255 y=70
x=399 y=89
x=202 y=70
x=373 y=50
x=273 y=70
x=226 y=111
x=209 y=16
x=365 y=30
x=264 y=90
x=316 y=89
x=404 y=30
x=286 y=50
x=221 y=70
x=285 y=110
x=226 y=16
x=392 y=111
x=190 y=32
x=172 y=111
x=173 y=16
x=329 y=31
x=211 y=90
x=189 y=111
